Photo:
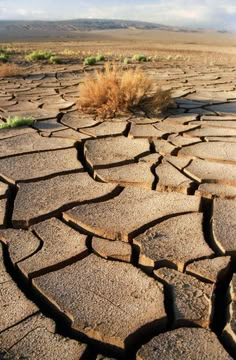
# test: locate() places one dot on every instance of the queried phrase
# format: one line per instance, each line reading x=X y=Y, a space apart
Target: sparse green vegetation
x=4 y=57
x=90 y=60
x=127 y=61
x=16 y=121
x=39 y=55
x=55 y=60
x=43 y=55
x=139 y=57
x=100 y=58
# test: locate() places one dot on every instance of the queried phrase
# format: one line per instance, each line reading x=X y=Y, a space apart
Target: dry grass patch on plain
x=7 y=70
x=114 y=91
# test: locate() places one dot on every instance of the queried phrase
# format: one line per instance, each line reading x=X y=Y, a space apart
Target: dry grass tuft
x=10 y=70
x=115 y=91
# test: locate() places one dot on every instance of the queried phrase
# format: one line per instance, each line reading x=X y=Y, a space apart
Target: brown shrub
x=115 y=91
x=10 y=70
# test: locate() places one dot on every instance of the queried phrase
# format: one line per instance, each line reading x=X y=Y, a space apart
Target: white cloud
x=22 y=12
x=230 y=9
x=37 y=12
x=3 y=8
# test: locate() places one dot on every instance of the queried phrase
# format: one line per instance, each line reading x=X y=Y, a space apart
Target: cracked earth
x=118 y=237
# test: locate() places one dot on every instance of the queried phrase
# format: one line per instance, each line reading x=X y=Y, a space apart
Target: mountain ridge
x=87 y=24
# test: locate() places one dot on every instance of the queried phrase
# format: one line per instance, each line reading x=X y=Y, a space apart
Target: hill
x=82 y=29
x=77 y=24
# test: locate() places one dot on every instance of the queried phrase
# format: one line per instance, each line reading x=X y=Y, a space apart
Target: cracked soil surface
x=117 y=237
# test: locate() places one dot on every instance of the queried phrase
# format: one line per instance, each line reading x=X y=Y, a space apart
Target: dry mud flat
x=118 y=237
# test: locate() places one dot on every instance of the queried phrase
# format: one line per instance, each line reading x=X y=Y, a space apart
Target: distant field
x=27 y=33
x=135 y=38
x=193 y=47
x=173 y=37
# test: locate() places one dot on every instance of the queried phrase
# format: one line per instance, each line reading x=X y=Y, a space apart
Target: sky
x=219 y=14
